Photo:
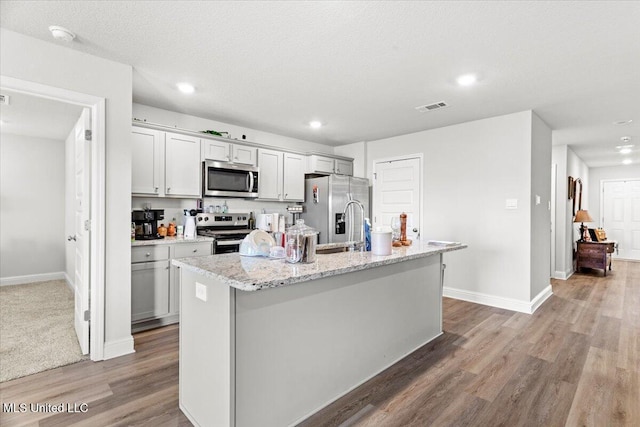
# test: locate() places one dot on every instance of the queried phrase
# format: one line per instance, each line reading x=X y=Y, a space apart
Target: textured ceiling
x=361 y=67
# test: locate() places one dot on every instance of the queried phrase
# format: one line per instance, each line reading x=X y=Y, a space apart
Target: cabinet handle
x=156 y=190
x=70 y=238
x=148 y=254
x=168 y=189
x=235 y=158
x=195 y=250
x=285 y=195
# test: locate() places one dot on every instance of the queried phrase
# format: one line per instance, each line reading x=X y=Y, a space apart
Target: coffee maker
x=146 y=223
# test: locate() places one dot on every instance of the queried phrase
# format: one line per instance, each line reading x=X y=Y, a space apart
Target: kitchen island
x=264 y=342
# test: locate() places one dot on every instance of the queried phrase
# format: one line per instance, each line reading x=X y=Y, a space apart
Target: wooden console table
x=594 y=255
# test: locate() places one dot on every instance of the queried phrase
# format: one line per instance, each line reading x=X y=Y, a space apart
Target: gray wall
x=32 y=210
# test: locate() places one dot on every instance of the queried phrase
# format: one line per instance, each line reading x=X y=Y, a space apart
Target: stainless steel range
x=228 y=229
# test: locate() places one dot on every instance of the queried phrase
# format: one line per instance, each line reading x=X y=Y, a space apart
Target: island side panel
x=300 y=347
x=206 y=351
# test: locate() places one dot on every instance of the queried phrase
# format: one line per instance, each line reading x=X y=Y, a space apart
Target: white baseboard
x=69 y=282
x=562 y=275
x=499 y=302
x=118 y=348
x=31 y=278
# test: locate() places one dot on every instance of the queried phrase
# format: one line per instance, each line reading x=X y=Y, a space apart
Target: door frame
x=98 y=179
x=420 y=157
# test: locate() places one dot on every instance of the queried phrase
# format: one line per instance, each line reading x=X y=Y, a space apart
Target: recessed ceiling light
x=186 y=87
x=61 y=33
x=622 y=122
x=315 y=124
x=626 y=162
x=467 y=80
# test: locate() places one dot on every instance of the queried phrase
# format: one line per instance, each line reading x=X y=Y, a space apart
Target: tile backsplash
x=174 y=208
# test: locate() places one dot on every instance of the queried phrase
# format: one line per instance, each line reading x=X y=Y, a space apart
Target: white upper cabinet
x=243 y=154
x=182 y=165
x=271 y=174
x=215 y=150
x=329 y=165
x=228 y=152
x=293 y=177
x=147 y=162
x=344 y=167
x=281 y=175
x=321 y=164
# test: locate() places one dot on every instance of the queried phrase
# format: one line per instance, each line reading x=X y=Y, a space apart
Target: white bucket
x=381 y=241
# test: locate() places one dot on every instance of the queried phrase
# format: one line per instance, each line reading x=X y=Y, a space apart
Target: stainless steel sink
x=325 y=251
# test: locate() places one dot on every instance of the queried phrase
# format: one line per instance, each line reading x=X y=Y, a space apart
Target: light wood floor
x=575 y=362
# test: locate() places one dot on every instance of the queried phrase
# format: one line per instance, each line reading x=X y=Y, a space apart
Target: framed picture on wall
x=570 y=188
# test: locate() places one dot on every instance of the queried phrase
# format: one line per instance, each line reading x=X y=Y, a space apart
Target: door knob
x=415 y=230
x=70 y=238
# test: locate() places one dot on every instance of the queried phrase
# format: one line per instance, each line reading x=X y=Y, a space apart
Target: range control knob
x=199 y=218
x=206 y=218
x=244 y=218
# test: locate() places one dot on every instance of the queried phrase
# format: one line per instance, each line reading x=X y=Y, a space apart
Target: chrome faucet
x=350 y=233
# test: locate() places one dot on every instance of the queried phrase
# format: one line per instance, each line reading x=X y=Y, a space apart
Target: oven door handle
x=228 y=242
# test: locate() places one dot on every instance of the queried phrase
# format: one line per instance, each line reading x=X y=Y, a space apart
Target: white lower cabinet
x=155 y=292
x=281 y=175
x=149 y=290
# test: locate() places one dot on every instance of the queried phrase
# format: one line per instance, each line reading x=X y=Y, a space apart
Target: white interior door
x=397 y=189
x=621 y=217
x=82 y=226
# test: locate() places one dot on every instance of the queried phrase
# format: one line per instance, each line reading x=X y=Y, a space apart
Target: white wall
x=596 y=176
x=559 y=158
x=54 y=65
x=569 y=164
x=469 y=171
x=184 y=121
x=32 y=210
x=577 y=169
x=540 y=213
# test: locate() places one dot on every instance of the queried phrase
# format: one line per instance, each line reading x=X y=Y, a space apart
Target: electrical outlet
x=201 y=291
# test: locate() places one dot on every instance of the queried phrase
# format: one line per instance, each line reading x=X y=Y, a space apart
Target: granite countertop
x=255 y=273
x=171 y=240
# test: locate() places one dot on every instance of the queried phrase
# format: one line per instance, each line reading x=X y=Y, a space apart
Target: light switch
x=537 y=199
x=511 y=204
x=201 y=291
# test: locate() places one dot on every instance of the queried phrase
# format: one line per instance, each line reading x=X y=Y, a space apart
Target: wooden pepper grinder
x=403 y=227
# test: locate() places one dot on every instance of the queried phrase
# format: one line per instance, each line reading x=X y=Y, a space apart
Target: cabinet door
x=149 y=290
x=182 y=166
x=147 y=162
x=293 y=181
x=344 y=167
x=270 y=178
x=244 y=154
x=215 y=150
x=322 y=164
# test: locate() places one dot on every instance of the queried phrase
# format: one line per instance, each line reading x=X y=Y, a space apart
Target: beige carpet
x=36 y=328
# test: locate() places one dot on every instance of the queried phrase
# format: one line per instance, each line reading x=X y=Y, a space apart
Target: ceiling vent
x=431 y=107
x=4 y=99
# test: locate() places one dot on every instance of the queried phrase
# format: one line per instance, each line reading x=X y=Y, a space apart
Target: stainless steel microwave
x=222 y=179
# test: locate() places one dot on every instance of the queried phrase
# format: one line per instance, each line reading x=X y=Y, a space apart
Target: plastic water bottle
x=367 y=234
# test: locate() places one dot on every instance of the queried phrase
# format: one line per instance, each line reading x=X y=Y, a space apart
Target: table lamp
x=582 y=216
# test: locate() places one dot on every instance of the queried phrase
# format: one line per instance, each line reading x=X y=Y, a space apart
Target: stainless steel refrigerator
x=324 y=201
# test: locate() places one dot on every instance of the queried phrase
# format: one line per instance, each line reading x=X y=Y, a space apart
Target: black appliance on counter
x=228 y=230
x=146 y=223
